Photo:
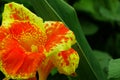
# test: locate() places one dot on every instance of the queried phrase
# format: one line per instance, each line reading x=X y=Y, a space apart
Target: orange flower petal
x=16 y=63
x=45 y=69
x=60 y=38
x=66 y=61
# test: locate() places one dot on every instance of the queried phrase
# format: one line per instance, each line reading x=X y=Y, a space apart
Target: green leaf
x=103 y=59
x=110 y=16
x=91 y=7
x=113 y=45
x=112 y=5
x=88 y=27
x=105 y=10
x=114 y=69
x=59 y=10
x=85 y=5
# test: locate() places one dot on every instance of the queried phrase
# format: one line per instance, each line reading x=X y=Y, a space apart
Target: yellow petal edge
x=8 y=10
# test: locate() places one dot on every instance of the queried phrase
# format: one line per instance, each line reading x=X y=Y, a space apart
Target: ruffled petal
x=66 y=61
x=60 y=38
x=17 y=12
x=16 y=63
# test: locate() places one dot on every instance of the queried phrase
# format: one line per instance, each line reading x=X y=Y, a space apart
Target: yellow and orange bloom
x=27 y=45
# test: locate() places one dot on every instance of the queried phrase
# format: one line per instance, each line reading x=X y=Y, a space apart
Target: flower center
x=34 y=48
x=28 y=35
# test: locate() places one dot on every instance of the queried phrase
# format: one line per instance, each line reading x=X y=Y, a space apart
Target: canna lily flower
x=28 y=45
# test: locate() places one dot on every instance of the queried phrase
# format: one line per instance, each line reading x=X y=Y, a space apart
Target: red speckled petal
x=60 y=38
x=66 y=61
x=16 y=63
x=17 y=12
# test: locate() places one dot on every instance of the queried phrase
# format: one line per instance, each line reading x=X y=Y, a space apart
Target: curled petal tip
x=66 y=61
